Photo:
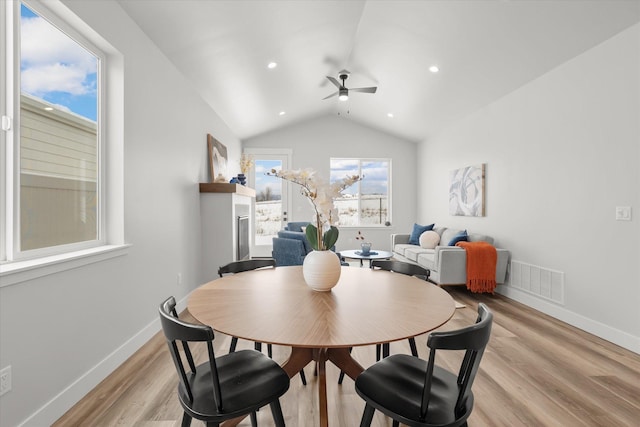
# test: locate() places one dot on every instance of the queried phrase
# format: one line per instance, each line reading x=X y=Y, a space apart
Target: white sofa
x=448 y=264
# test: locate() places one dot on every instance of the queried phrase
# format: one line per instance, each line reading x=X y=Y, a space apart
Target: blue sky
x=263 y=181
x=55 y=68
x=375 y=173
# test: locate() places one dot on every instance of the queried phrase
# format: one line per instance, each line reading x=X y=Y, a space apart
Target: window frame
x=360 y=160
x=109 y=240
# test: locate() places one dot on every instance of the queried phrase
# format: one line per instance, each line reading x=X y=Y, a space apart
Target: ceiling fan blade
x=333 y=94
x=364 y=89
x=334 y=81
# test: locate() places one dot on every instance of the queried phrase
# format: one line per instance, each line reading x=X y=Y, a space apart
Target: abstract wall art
x=466 y=191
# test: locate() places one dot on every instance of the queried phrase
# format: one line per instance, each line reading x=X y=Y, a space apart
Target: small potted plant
x=366 y=246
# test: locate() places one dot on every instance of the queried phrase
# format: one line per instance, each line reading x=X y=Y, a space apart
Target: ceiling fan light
x=343 y=94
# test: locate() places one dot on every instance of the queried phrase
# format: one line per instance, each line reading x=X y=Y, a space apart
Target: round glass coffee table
x=373 y=254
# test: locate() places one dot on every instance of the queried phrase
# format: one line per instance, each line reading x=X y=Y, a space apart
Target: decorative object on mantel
x=246 y=163
x=217 y=160
x=242 y=179
x=466 y=191
x=321 y=267
x=365 y=246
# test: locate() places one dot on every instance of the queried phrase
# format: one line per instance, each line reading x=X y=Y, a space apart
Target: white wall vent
x=541 y=282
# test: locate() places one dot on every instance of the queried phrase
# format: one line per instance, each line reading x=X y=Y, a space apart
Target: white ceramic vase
x=321 y=270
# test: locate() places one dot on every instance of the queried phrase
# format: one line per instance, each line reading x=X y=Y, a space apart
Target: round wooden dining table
x=275 y=306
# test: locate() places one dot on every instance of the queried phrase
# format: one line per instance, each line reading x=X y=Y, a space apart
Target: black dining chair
x=409 y=270
x=402 y=268
x=225 y=387
x=418 y=393
x=239 y=267
x=248 y=265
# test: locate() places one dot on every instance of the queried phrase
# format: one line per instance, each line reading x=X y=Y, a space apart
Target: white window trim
x=111 y=232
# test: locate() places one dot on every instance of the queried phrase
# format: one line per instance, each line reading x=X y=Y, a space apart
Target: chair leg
x=378 y=351
x=254 y=419
x=303 y=377
x=258 y=346
x=395 y=423
x=270 y=351
x=276 y=410
x=234 y=343
x=367 y=416
x=186 y=420
x=414 y=348
x=385 y=350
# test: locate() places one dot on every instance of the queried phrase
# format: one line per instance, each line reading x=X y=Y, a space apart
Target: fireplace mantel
x=221 y=187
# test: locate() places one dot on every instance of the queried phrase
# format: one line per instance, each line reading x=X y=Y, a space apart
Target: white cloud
x=51 y=61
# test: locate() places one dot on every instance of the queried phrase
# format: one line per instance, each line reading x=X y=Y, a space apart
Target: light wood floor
x=537 y=371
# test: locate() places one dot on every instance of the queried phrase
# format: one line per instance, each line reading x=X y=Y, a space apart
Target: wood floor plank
x=536 y=371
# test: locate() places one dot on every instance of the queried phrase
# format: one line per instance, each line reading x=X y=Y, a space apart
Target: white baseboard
x=61 y=403
x=616 y=336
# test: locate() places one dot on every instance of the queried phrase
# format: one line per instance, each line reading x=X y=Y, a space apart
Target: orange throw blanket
x=481 y=266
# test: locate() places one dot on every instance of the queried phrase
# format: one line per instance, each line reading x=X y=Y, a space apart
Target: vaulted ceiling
x=484 y=49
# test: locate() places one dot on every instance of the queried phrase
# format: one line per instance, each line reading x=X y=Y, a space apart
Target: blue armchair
x=290 y=247
x=296 y=226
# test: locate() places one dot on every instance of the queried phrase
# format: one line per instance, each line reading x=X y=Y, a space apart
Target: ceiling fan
x=343 y=91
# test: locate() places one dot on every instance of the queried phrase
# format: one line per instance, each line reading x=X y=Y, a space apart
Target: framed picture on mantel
x=217 y=160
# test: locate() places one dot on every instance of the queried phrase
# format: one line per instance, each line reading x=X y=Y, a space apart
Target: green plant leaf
x=312 y=236
x=330 y=237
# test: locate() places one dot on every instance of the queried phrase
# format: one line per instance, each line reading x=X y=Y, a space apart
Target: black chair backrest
x=401 y=267
x=246 y=265
x=178 y=330
x=474 y=340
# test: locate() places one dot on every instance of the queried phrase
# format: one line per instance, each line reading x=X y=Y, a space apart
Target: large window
x=52 y=201
x=367 y=203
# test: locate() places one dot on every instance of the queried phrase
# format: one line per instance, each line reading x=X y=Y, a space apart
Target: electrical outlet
x=5 y=380
x=623 y=213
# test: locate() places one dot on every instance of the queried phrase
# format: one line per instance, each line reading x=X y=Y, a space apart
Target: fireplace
x=242 y=228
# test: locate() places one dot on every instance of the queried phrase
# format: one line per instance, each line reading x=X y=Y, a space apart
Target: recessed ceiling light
x=390 y=115
x=434 y=69
x=272 y=65
x=282 y=113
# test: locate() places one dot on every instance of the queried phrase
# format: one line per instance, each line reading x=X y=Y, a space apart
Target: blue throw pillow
x=414 y=239
x=460 y=237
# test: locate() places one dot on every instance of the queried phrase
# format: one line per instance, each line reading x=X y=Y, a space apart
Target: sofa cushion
x=447 y=235
x=460 y=237
x=402 y=247
x=418 y=229
x=429 y=239
x=480 y=238
x=426 y=260
x=413 y=252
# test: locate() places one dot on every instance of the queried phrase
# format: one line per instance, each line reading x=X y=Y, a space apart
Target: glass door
x=272 y=198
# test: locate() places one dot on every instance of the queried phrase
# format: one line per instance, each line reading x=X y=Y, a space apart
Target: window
x=366 y=203
x=52 y=196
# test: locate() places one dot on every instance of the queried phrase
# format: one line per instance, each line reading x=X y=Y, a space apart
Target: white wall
x=313 y=142
x=64 y=332
x=561 y=152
